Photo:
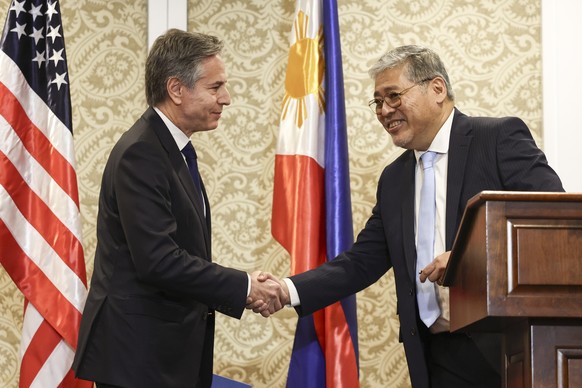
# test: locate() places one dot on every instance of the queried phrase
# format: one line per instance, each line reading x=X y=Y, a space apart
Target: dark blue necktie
x=190 y=155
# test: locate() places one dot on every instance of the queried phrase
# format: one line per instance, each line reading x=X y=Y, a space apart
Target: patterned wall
x=491 y=47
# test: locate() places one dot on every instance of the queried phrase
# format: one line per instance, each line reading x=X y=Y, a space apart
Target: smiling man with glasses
x=415 y=103
x=392 y=99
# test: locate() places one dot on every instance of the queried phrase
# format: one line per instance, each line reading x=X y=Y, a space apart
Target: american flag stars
x=38 y=36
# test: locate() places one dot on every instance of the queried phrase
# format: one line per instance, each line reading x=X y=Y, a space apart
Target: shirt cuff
x=249 y=285
x=293 y=294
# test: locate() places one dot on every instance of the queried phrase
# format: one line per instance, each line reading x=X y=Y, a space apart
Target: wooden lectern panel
x=516 y=255
x=543 y=353
x=516 y=268
x=556 y=242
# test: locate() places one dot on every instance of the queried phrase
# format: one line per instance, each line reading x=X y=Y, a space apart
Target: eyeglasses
x=392 y=99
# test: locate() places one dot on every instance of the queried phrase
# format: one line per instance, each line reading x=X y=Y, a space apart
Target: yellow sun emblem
x=305 y=70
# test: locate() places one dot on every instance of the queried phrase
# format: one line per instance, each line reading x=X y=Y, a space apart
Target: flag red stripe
x=37 y=144
x=341 y=365
x=333 y=335
x=298 y=210
x=43 y=343
x=38 y=289
x=70 y=381
x=38 y=214
x=297 y=223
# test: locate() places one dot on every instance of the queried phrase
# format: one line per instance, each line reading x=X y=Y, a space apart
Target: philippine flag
x=311 y=201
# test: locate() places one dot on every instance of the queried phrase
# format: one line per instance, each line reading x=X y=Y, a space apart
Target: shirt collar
x=440 y=143
x=179 y=137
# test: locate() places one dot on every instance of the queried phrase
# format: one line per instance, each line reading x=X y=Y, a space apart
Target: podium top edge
x=542 y=196
x=475 y=203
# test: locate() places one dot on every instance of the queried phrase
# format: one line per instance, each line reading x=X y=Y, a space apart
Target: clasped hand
x=268 y=294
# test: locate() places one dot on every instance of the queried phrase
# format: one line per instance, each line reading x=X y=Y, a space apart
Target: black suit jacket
x=484 y=154
x=148 y=320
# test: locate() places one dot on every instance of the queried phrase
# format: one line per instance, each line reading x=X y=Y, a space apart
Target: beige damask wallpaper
x=491 y=47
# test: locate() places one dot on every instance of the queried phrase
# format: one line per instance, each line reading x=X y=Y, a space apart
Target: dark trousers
x=455 y=360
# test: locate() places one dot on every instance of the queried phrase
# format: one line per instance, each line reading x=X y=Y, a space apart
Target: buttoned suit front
x=484 y=154
x=149 y=316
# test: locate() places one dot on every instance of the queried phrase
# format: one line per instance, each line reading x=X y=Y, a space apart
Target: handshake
x=268 y=294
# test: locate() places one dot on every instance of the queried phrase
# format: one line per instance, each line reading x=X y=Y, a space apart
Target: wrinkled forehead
x=390 y=80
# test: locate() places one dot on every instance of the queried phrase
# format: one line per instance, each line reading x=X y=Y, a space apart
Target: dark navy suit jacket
x=484 y=154
x=148 y=320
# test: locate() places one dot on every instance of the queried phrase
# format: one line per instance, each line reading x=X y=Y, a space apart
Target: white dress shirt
x=440 y=144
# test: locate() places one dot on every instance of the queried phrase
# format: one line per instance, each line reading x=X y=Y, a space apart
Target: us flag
x=40 y=229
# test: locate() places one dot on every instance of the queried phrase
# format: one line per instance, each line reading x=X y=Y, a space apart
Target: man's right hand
x=268 y=294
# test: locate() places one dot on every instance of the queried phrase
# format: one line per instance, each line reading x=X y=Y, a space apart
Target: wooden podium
x=516 y=268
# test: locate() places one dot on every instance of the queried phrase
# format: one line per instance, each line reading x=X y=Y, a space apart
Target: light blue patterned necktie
x=425 y=292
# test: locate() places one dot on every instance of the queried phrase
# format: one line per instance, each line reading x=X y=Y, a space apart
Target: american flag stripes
x=40 y=229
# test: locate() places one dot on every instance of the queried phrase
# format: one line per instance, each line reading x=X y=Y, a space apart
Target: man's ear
x=174 y=88
x=439 y=86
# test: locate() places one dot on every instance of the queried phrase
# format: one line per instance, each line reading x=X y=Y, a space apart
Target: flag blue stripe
x=307 y=364
x=339 y=229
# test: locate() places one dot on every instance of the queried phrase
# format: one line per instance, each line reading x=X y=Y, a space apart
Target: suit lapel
x=207 y=218
x=181 y=169
x=407 y=196
x=458 y=150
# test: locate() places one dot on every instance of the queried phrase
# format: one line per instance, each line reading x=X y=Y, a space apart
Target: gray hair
x=177 y=54
x=420 y=64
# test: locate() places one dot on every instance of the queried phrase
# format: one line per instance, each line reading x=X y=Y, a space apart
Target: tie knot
x=189 y=151
x=428 y=159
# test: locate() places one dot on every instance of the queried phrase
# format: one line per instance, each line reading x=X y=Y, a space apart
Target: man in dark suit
x=414 y=101
x=149 y=316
